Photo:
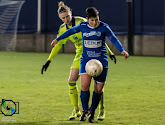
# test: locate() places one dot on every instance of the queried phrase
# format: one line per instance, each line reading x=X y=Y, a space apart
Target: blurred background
x=31 y=25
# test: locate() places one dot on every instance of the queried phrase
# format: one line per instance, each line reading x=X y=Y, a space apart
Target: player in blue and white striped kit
x=94 y=34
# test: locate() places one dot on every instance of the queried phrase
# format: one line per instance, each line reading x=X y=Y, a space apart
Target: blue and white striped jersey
x=94 y=41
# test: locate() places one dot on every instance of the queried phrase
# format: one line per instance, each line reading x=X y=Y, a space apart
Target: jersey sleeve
x=54 y=51
x=111 y=36
x=57 y=47
x=109 y=52
x=61 y=31
x=69 y=32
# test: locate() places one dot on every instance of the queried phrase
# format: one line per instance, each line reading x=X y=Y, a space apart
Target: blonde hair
x=63 y=8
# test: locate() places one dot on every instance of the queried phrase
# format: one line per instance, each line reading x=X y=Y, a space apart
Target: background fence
x=148 y=15
x=35 y=32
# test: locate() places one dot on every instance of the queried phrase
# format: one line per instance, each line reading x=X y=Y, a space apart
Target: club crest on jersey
x=92 y=33
x=75 y=37
x=92 y=43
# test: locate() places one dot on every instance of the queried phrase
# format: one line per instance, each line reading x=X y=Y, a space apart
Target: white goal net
x=9 y=14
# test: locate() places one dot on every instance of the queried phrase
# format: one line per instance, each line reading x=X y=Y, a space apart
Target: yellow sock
x=73 y=92
x=101 y=103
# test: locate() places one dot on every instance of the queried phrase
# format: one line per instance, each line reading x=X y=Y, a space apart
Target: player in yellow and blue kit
x=65 y=15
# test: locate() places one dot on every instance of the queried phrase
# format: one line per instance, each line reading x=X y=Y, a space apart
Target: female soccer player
x=94 y=33
x=65 y=14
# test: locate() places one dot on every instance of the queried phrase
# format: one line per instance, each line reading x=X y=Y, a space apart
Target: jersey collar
x=93 y=27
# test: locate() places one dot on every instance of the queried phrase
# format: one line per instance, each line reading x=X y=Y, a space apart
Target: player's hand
x=54 y=42
x=112 y=57
x=125 y=54
x=45 y=66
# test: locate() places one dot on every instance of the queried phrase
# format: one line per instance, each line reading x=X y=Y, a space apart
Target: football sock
x=73 y=92
x=85 y=99
x=95 y=100
x=101 y=103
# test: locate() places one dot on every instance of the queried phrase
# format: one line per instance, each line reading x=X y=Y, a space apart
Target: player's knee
x=99 y=91
x=73 y=76
x=71 y=79
x=84 y=88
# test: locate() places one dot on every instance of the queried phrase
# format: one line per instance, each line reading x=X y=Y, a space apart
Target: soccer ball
x=94 y=67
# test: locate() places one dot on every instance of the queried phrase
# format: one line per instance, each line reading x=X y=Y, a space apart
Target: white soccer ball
x=94 y=67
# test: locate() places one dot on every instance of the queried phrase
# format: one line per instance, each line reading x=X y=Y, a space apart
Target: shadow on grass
x=27 y=123
x=60 y=122
x=77 y=122
x=68 y=122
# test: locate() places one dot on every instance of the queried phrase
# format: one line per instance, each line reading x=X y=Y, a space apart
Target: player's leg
x=73 y=88
x=97 y=94
x=101 y=114
x=85 y=94
x=73 y=93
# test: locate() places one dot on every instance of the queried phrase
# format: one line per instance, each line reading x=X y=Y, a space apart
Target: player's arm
x=60 y=38
x=115 y=41
x=66 y=34
x=56 y=48
x=110 y=53
x=54 y=52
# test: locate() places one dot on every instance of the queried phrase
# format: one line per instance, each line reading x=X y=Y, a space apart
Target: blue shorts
x=100 y=79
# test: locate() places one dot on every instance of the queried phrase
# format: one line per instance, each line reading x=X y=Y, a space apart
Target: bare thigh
x=85 y=82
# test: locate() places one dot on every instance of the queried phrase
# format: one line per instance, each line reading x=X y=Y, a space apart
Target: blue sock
x=95 y=100
x=85 y=99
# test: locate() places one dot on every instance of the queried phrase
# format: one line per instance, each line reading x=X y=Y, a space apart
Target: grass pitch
x=134 y=91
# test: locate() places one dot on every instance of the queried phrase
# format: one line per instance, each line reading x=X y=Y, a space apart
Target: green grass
x=134 y=91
